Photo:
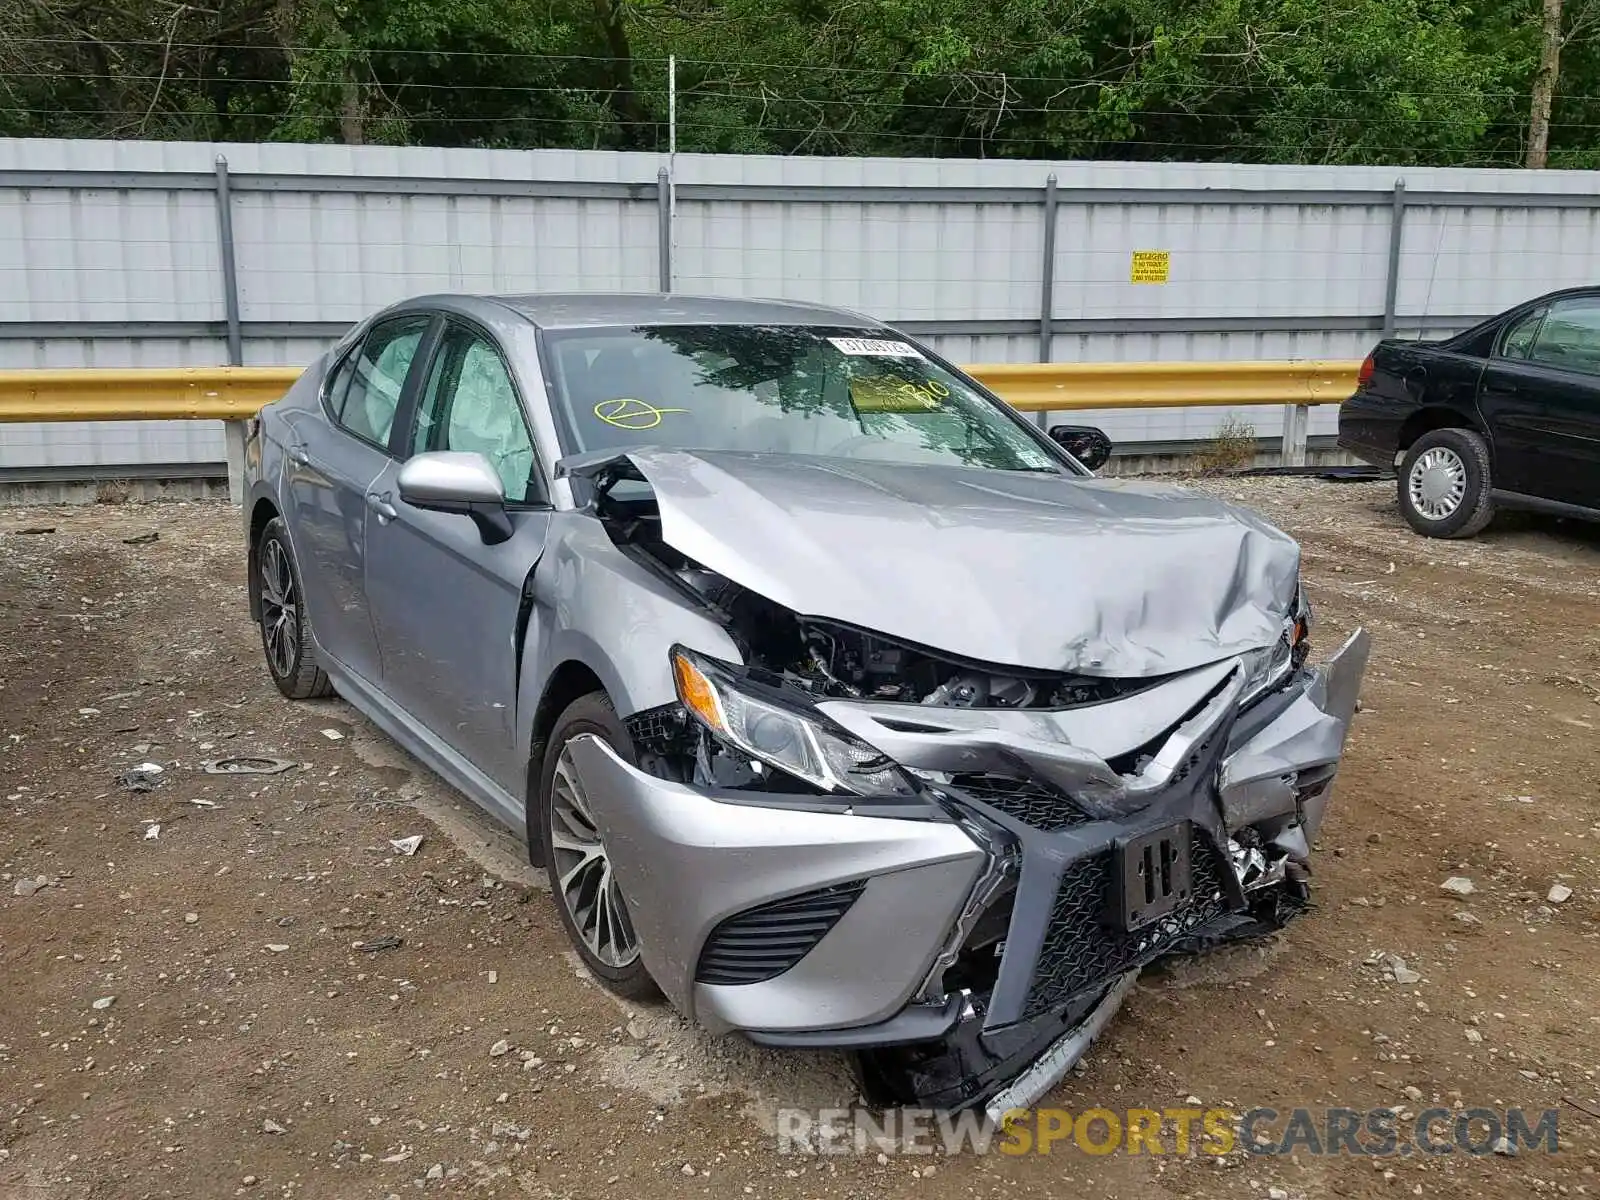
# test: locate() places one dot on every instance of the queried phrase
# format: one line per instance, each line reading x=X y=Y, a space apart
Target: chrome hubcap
x=585 y=884
x=280 y=610
x=1437 y=483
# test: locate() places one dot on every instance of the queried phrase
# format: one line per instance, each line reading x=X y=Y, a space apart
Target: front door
x=1567 y=352
x=446 y=606
x=335 y=455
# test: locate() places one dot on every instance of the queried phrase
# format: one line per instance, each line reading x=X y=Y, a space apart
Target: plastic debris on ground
x=142 y=778
x=247 y=764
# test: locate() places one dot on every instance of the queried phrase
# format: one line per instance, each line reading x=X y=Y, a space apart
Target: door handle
x=299 y=455
x=380 y=505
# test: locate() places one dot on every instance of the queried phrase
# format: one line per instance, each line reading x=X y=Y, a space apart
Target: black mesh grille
x=1027 y=800
x=764 y=942
x=1082 y=951
x=660 y=730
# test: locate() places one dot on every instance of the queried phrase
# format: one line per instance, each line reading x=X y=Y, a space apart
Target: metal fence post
x=1296 y=420
x=1391 y=286
x=230 y=273
x=664 y=228
x=232 y=431
x=233 y=439
x=1047 y=286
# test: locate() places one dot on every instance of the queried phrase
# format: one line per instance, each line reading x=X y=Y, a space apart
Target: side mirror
x=453 y=481
x=1088 y=445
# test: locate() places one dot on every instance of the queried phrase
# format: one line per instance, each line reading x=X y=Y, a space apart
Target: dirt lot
x=209 y=1010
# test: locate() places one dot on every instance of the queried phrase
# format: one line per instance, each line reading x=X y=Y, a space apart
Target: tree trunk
x=624 y=98
x=1544 y=85
x=352 y=109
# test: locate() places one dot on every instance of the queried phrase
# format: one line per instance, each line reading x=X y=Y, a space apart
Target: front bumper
x=687 y=862
x=690 y=863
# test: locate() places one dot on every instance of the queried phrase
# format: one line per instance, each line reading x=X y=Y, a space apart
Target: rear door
x=1541 y=398
x=446 y=605
x=335 y=454
x=1511 y=400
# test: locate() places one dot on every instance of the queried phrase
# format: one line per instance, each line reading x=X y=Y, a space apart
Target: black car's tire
x=591 y=905
x=286 y=639
x=1444 y=484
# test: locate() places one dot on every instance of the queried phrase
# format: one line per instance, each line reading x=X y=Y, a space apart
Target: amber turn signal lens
x=696 y=692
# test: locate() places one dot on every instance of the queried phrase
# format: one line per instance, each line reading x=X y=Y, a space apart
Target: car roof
x=580 y=309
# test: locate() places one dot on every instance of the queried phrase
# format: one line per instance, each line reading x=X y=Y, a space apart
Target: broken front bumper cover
x=872 y=910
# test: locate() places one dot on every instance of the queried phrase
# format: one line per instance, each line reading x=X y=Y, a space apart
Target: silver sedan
x=842 y=705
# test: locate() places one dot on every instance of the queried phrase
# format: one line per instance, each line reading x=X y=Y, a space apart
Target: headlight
x=1266 y=668
x=804 y=744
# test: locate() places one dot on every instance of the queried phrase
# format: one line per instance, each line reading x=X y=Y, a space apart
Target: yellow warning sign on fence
x=1150 y=266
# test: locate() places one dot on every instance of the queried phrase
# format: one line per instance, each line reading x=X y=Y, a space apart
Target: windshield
x=782 y=389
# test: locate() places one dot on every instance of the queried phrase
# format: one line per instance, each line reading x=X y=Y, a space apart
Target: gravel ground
x=236 y=985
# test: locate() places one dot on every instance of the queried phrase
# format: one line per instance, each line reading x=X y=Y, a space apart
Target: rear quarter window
x=1517 y=340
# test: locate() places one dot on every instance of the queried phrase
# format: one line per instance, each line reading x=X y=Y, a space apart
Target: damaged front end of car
x=952 y=867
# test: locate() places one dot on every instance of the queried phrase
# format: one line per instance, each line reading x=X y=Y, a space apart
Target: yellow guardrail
x=142 y=393
x=234 y=393
x=1050 y=387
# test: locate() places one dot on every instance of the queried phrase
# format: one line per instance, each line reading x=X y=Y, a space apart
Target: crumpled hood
x=1096 y=576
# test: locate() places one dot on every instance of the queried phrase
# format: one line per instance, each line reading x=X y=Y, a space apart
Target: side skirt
x=1556 y=508
x=434 y=754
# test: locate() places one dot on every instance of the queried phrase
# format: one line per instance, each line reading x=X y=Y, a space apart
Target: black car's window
x=366 y=387
x=1570 y=336
x=1518 y=339
x=469 y=403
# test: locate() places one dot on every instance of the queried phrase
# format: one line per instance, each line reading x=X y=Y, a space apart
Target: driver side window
x=469 y=403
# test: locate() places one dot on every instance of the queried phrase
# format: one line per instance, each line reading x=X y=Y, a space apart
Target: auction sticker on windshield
x=883 y=393
x=876 y=347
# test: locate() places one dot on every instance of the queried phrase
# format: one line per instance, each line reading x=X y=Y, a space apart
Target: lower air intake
x=1028 y=800
x=763 y=942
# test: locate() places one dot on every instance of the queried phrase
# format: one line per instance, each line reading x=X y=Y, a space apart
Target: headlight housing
x=781 y=733
x=1266 y=668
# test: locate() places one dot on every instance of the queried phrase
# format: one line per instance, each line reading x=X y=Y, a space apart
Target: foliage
x=1231 y=448
x=1319 y=81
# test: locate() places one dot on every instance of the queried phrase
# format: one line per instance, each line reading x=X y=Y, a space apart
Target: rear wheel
x=582 y=881
x=285 y=625
x=1444 y=484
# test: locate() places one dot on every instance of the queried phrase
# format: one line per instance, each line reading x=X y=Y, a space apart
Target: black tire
x=286 y=640
x=591 y=714
x=1474 y=509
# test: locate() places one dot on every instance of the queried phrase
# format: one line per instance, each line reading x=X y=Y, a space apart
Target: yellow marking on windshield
x=891 y=394
x=627 y=413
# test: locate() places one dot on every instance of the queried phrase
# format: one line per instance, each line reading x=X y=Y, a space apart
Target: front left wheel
x=582 y=881
x=285 y=625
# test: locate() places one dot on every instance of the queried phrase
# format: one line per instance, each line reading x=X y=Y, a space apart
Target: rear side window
x=1570 y=336
x=1518 y=340
x=365 y=393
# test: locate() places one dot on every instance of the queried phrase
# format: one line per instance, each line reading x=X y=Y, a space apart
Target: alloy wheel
x=280 y=610
x=588 y=888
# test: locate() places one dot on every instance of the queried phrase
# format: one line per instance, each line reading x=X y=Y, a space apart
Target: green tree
x=1320 y=81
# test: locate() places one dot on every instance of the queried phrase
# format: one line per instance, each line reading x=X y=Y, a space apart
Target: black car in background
x=1505 y=415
